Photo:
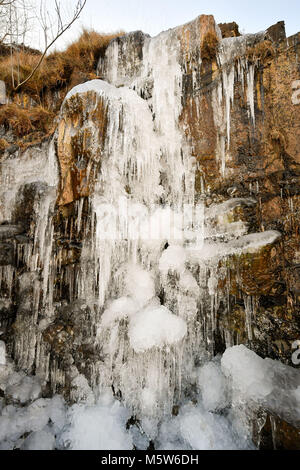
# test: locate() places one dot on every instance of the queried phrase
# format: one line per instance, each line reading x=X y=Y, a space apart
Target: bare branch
x=17 y=22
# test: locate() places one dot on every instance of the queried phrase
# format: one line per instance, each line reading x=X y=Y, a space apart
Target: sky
x=154 y=16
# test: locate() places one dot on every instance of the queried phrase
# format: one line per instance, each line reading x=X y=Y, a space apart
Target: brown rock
x=277 y=434
x=277 y=31
x=229 y=30
x=74 y=145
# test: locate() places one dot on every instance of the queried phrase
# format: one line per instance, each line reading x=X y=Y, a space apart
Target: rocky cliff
x=198 y=126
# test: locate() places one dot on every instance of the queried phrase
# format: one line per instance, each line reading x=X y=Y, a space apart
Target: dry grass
x=31 y=114
x=57 y=68
x=21 y=63
x=3 y=145
x=86 y=51
x=26 y=121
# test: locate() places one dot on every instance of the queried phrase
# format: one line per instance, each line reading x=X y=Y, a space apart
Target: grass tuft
x=31 y=111
x=57 y=68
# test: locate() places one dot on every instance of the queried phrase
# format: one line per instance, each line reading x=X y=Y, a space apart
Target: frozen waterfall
x=152 y=273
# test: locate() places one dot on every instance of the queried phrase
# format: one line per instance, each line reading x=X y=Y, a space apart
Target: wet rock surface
x=277 y=434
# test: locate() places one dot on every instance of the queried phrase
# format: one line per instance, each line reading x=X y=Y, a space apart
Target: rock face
x=198 y=117
x=229 y=30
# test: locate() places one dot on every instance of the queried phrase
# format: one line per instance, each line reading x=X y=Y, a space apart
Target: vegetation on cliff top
x=33 y=108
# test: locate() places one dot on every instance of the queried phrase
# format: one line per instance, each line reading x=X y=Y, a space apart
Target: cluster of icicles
x=149 y=271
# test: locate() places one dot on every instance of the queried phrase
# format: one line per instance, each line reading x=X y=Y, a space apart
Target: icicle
x=250 y=313
x=228 y=87
x=250 y=91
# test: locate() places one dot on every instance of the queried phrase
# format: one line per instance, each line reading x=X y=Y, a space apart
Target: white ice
x=156 y=327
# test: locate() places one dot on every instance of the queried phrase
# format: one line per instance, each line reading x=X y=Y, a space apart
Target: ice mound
x=15 y=421
x=98 y=427
x=197 y=429
x=262 y=383
x=139 y=289
x=139 y=284
x=205 y=431
x=255 y=241
x=173 y=259
x=155 y=327
x=250 y=374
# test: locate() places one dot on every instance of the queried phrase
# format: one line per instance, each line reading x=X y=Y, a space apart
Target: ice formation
x=227 y=392
x=146 y=290
x=97 y=427
x=264 y=382
x=2 y=353
x=212 y=385
x=230 y=50
x=155 y=328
